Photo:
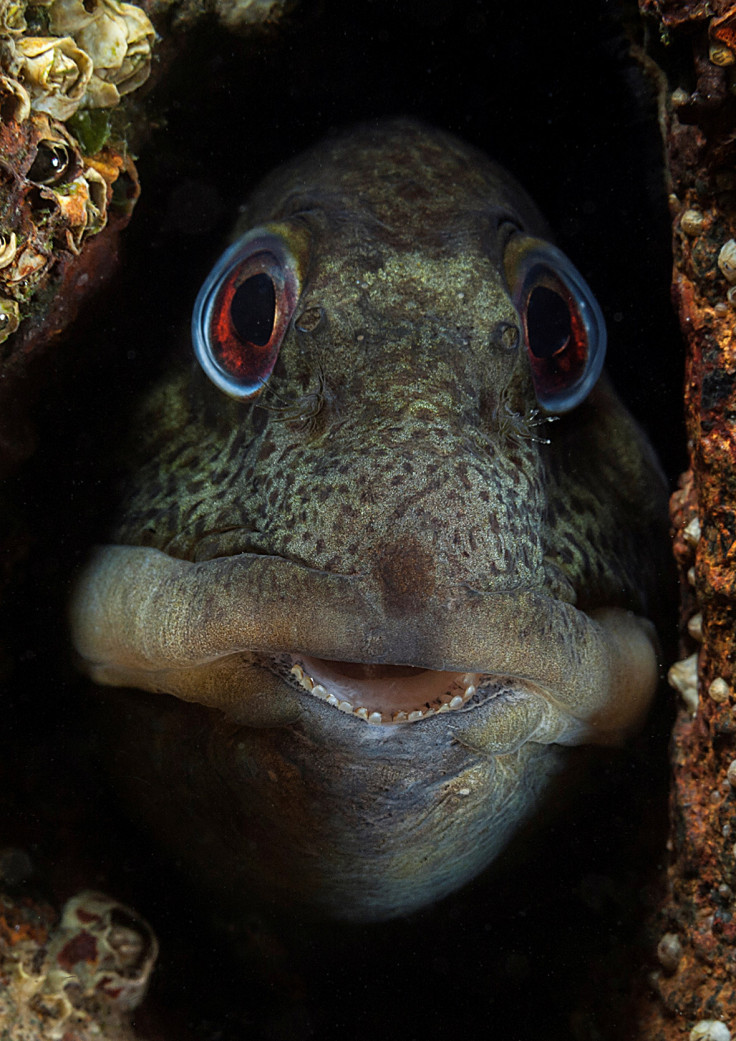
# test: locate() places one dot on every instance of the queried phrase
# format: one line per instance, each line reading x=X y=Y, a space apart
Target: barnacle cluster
x=78 y=978
x=60 y=60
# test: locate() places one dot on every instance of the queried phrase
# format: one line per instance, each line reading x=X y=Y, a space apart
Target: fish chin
x=361 y=764
x=328 y=816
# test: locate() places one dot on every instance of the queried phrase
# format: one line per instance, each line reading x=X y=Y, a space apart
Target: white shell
x=8 y=249
x=55 y=72
x=237 y=15
x=710 y=1030
x=117 y=37
x=692 y=532
x=727 y=260
x=683 y=676
x=21 y=103
x=692 y=222
x=719 y=690
x=669 y=952
x=12 y=17
x=695 y=627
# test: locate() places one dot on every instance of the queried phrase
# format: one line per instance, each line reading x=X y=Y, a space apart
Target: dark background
x=546 y=945
x=549 y=90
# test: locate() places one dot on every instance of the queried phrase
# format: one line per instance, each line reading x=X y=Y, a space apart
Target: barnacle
x=92 y=53
x=72 y=203
x=81 y=977
x=683 y=676
x=15 y=101
x=105 y=947
x=721 y=55
x=8 y=248
x=96 y=200
x=82 y=207
x=727 y=260
x=238 y=15
x=67 y=17
x=54 y=69
x=710 y=1030
x=692 y=222
x=12 y=17
x=9 y=318
x=53 y=163
x=28 y=263
x=46 y=195
x=118 y=39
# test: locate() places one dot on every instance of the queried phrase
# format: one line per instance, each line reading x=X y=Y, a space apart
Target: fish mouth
x=380 y=694
x=240 y=633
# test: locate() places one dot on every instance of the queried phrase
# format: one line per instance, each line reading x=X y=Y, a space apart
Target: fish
x=390 y=548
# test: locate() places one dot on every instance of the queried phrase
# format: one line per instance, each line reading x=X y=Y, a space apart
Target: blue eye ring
x=545 y=287
x=237 y=348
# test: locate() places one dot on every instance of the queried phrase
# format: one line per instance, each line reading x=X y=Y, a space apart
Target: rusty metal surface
x=694 y=982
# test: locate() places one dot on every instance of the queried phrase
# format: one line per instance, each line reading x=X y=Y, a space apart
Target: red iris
x=564 y=329
x=555 y=333
x=248 y=320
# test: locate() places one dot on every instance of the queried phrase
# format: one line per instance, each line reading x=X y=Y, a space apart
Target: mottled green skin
x=402 y=417
x=398 y=438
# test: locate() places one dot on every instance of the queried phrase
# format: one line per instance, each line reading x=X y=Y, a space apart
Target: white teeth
x=444 y=703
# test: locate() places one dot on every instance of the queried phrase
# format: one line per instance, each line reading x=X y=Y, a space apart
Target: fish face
x=395 y=536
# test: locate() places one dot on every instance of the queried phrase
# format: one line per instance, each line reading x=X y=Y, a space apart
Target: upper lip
x=141 y=618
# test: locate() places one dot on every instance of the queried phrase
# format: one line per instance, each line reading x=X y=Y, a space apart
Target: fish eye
x=243 y=311
x=564 y=329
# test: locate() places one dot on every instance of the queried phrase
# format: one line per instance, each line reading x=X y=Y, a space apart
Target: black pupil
x=253 y=310
x=547 y=322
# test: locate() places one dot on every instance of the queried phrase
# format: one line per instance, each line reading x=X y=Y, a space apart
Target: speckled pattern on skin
x=397 y=418
x=392 y=527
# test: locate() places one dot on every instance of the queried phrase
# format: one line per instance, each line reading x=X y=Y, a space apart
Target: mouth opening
x=384 y=693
